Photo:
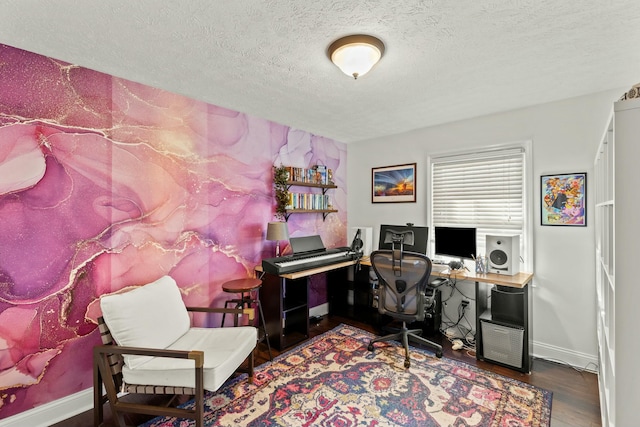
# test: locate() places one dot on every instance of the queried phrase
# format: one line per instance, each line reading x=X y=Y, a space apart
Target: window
x=488 y=190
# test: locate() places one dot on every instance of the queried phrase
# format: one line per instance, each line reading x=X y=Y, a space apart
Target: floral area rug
x=333 y=381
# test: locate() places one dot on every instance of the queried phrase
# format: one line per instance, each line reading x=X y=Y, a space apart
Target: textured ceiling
x=445 y=60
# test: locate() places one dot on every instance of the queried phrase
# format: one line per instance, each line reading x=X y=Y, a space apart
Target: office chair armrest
x=436 y=283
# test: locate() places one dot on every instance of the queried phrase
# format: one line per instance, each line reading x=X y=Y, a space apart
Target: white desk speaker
x=503 y=254
x=366 y=235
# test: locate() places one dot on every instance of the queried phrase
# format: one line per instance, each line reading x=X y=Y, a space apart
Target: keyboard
x=298 y=262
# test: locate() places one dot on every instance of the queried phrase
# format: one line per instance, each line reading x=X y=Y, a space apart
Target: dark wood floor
x=575 y=393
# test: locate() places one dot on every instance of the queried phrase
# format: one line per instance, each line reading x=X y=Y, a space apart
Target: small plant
x=280 y=178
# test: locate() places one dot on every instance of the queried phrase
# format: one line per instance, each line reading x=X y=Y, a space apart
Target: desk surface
x=519 y=280
x=312 y=271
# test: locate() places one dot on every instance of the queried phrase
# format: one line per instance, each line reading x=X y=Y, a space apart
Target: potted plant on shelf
x=280 y=178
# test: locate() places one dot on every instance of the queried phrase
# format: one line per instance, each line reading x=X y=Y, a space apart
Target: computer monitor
x=457 y=242
x=420 y=237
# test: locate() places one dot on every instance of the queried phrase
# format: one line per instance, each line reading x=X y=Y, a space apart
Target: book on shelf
x=309 y=201
x=318 y=174
x=321 y=174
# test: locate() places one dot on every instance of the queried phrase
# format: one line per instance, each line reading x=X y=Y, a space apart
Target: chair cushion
x=152 y=316
x=224 y=350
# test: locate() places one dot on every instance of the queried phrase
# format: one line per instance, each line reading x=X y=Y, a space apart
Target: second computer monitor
x=456 y=242
x=420 y=237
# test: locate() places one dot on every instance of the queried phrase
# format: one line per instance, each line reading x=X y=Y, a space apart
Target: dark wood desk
x=483 y=285
x=285 y=300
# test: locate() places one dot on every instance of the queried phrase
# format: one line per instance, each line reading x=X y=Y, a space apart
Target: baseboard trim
x=52 y=412
x=578 y=360
x=319 y=310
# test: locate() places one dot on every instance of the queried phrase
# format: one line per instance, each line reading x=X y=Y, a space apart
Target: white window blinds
x=483 y=190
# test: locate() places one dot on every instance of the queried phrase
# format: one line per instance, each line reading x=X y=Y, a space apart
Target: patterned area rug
x=334 y=381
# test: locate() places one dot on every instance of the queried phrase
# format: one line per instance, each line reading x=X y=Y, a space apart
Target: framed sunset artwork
x=393 y=184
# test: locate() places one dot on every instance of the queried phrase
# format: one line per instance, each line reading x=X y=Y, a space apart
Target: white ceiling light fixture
x=355 y=55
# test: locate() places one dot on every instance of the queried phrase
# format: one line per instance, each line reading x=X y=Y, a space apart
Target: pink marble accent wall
x=106 y=184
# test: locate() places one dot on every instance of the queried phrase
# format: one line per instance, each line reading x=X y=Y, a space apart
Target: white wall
x=565 y=136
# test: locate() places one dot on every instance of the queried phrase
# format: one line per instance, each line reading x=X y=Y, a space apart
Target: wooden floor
x=575 y=393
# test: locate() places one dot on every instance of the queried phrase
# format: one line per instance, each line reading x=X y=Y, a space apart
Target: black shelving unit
x=286 y=309
x=353 y=298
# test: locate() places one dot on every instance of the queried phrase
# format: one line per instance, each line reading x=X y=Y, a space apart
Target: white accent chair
x=150 y=347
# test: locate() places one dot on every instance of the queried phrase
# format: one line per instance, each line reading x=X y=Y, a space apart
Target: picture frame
x=563 y=199
x=394 y=184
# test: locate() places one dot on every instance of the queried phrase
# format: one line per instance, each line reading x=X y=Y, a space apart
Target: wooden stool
x=247 y=286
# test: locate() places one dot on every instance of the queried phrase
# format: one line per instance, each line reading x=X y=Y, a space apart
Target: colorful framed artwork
x=563 y=199
x=393 y=184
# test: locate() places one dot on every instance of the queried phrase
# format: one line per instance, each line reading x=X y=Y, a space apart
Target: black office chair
x=402 y=278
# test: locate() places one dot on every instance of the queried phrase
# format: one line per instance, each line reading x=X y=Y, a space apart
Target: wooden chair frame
x=107 y=372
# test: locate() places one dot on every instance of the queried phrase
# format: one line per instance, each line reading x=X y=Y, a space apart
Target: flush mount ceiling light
x=355 y=55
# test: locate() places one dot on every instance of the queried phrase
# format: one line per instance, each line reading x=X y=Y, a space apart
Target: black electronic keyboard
x=304 y=261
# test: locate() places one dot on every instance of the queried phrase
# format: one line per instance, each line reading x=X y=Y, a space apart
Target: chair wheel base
x=439 y=354
x=370 y=347
x=407 y=363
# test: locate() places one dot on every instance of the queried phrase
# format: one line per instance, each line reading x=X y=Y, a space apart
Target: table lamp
x=277 y=231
